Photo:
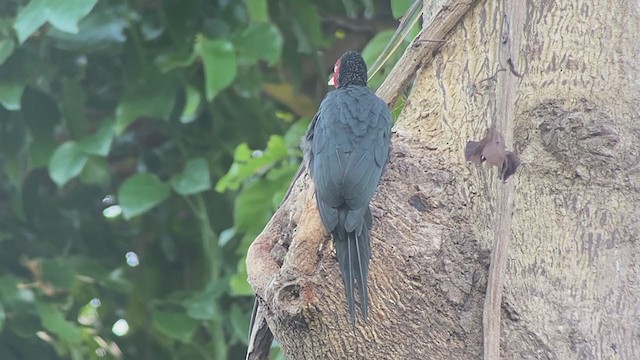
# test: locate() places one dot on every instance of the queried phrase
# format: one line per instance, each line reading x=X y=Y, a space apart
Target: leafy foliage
x=144 y=145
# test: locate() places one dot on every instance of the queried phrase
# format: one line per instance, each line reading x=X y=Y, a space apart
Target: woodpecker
x=346 y=149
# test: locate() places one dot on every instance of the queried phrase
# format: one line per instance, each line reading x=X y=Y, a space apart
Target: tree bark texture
x=560 y=80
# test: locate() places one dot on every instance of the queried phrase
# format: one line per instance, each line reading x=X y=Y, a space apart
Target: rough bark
x=570 y=215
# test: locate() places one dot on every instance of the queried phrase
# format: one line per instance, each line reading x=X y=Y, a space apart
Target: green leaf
x=99 y=143
x=117 y=281
x=193 y=179
x=257 y=9
x=54 y=321
x=168 y=246
x=102 y=28
x=66 y=163
x=25 y=324
x=375 y=46
x=293 y=136
x=140 y=193
x=3 y=316
x=238 y=283
x=178 y=16
x=203 y=305
x=10 y=93
x=15 y=73
x=58 y=272
x=306 y=26
x=240 y=322
x=248 y=83
x=280 y=178
x=175 y=325
x=153 y=96
x=350 y=8
x=12 y=294
x=175 y=60
x=257 y=201
x=14 y=170
x=242 y=153
x=244 y=165
x=87 y=266
x=276 y=150
x=29 y=19
x=191 y=106
x=220 y=67
x=40 y=113
x=253 y=206
x=261 y=41
x=63 y=15
x=96 y=171
x=13 y=138
x=226 y=236
x=399 y=7
x=73 y=107
x=40 y=152
x=238 y=171
x=6 y=49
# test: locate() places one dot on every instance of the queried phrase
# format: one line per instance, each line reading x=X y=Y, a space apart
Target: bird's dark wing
x=350 y=148
x=369 y=155
x=325 y=162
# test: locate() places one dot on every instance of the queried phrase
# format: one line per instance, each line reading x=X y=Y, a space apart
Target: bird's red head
x=336 y=71
x=350 y=69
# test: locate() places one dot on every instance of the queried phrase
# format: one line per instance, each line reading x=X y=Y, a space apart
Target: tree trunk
x=560 y=81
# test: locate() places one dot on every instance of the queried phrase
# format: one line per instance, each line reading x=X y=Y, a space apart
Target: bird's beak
x=331 y=82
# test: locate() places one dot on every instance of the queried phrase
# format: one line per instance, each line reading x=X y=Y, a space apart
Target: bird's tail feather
x=353 y=250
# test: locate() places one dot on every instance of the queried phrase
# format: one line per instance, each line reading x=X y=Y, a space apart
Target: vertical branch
x=507 y=86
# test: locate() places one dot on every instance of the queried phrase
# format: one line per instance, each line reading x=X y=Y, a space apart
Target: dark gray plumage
x=347 y=149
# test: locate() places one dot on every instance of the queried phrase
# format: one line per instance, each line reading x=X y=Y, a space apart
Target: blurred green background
x=143 y=146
